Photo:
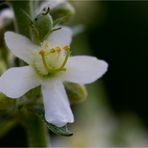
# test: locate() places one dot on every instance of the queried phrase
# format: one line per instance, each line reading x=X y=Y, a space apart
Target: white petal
x=15 y=82
x=20 y=46
x=60 y=38
x=57 y=108
x=52 y=4
x=84 y=69
x=6 y=16
x=6 y=13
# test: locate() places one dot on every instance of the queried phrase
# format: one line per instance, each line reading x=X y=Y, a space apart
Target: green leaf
x=63 y=131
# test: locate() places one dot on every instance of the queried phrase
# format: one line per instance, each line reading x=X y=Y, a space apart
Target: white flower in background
x=5 y=16
x=52 y=4
x=49 y=66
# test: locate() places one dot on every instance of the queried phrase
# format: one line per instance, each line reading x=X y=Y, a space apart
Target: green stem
x=36 y=131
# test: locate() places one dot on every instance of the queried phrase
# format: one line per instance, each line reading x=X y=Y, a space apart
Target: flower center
x=51 y=60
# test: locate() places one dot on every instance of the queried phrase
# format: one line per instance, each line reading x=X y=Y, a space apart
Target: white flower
x=49 y=66
x=52 y=4
x=5 y=16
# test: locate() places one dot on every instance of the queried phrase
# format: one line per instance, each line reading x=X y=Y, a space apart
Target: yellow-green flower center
x=51 y=60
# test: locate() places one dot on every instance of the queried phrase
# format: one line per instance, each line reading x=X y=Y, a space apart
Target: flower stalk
x=36 y=131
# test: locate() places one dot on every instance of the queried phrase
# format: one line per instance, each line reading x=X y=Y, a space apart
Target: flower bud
x=76 y=92
x=6 y=17
x=42 y=25
x=63 y=13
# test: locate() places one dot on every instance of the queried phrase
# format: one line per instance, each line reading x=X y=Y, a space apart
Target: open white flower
x=52 y=4
x=49 y=66
x=5 y=16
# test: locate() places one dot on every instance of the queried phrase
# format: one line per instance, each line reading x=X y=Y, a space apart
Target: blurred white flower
x=5 y=16
x=49 y=66
x=52 y=4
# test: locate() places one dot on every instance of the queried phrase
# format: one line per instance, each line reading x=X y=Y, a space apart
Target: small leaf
x=63 y=131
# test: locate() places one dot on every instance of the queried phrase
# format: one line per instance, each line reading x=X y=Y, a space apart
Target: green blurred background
x=115 y=112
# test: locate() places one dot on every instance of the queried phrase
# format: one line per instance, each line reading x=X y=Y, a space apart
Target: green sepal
x=62 y=131
x=76 y=92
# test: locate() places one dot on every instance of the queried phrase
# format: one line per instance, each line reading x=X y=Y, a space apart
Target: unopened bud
x=76 y=92
x=42 y=25
x=63 y=13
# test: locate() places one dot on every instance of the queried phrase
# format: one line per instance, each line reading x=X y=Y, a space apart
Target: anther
x=66 y=48
x=52 y=50
x=58 y=49
x=46 y=11
x=42 y=52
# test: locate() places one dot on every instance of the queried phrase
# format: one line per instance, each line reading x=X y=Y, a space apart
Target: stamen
x=46 y=11
x=50 y=69
x=42 y=53
x=66 y=47
x=58 y=49
x=67 y=50
x=52 y=50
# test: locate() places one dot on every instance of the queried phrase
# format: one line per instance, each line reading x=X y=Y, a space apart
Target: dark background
x=122 y=40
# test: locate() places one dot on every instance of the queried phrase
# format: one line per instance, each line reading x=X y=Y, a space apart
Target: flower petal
x=52 y=4
x=15 y=82
x=57 y=107
x=84 y=69
x=60 y=38
x=20 y=46
x=6 y=17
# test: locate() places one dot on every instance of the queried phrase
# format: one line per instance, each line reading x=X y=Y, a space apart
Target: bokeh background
x=115 y=112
